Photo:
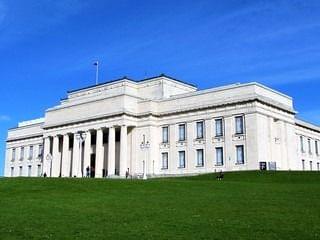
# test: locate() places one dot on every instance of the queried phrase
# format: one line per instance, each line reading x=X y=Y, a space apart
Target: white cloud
x=4 y=118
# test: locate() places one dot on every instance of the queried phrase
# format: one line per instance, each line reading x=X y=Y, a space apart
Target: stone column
x=65 y=156
x=55 y=157
x=123 y=150
x=87 y=153
x=209 y=152
x=46 y=162
x=111 y=152
x=99 y=154
x=75 y=158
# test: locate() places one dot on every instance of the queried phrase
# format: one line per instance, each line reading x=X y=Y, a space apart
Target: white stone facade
x=161 y=126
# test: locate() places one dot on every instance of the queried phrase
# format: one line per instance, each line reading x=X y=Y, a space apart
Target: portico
x=104 y=150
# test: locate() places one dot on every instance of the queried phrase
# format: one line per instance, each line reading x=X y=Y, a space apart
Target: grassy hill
x=245 y=205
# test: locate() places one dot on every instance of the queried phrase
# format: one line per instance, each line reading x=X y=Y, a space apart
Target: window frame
x=222 y=127
x=168 y=134
x=14 y=153
x=242 y=126
x=184 y=159
x=242 y=155
x=203 y=129
x=22 y=153
x=197 y=157
x=40 y=150
x=31 y=152
x=302 y=144
x=309 y=146
x=39 y=170
x=163 y=167
x=20 y=171
x=222 y=156
x=29 y=170
x=185 y=132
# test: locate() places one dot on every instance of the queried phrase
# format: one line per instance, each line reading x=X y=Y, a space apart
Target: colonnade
x=61 y=159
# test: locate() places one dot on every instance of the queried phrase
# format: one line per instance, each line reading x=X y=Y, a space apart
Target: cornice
x=33 y=136
x=170 y=113
x=307 y=125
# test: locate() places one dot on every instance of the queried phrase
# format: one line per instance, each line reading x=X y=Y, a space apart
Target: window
x=219 y=127
x=301 y=144
x=316 y=146
x=182 y=132
x=310 y=165
x=29 y=171
x=165 y=160
x=303 y=165
x=309 y=146
x=239 y=125
x=39 y=170
x=240 y=154
x=40 y=151
x=12 y=171
x=31 y=152
x=20 y=171
x=219 y=156
x=165 y=134
x=200 y=130
x=182 y=159
x=200 y=158
x=22 y=153
x=13 y=154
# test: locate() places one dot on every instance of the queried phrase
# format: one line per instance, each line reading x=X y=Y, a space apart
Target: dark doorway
x=92 y=165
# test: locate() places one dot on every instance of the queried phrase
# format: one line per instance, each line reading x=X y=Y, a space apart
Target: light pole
x=145 y=145
x=81 y=136
x=49 y=159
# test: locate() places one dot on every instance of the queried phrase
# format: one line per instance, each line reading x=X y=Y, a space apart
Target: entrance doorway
x=92 y=165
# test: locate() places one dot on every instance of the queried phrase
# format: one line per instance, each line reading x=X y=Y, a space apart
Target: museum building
x=162 y=126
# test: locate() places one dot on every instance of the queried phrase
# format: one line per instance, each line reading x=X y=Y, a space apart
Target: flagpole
x=97 y=72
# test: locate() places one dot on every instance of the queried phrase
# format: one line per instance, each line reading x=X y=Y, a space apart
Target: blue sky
x=48 y=46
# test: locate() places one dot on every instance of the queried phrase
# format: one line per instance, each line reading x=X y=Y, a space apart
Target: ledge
x=199 y=166
x=240 y=163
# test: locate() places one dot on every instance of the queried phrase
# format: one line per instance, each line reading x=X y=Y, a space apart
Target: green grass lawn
x=246 y=205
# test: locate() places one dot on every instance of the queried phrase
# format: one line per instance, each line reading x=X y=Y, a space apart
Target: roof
x=308 y=125
x=136 y=81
